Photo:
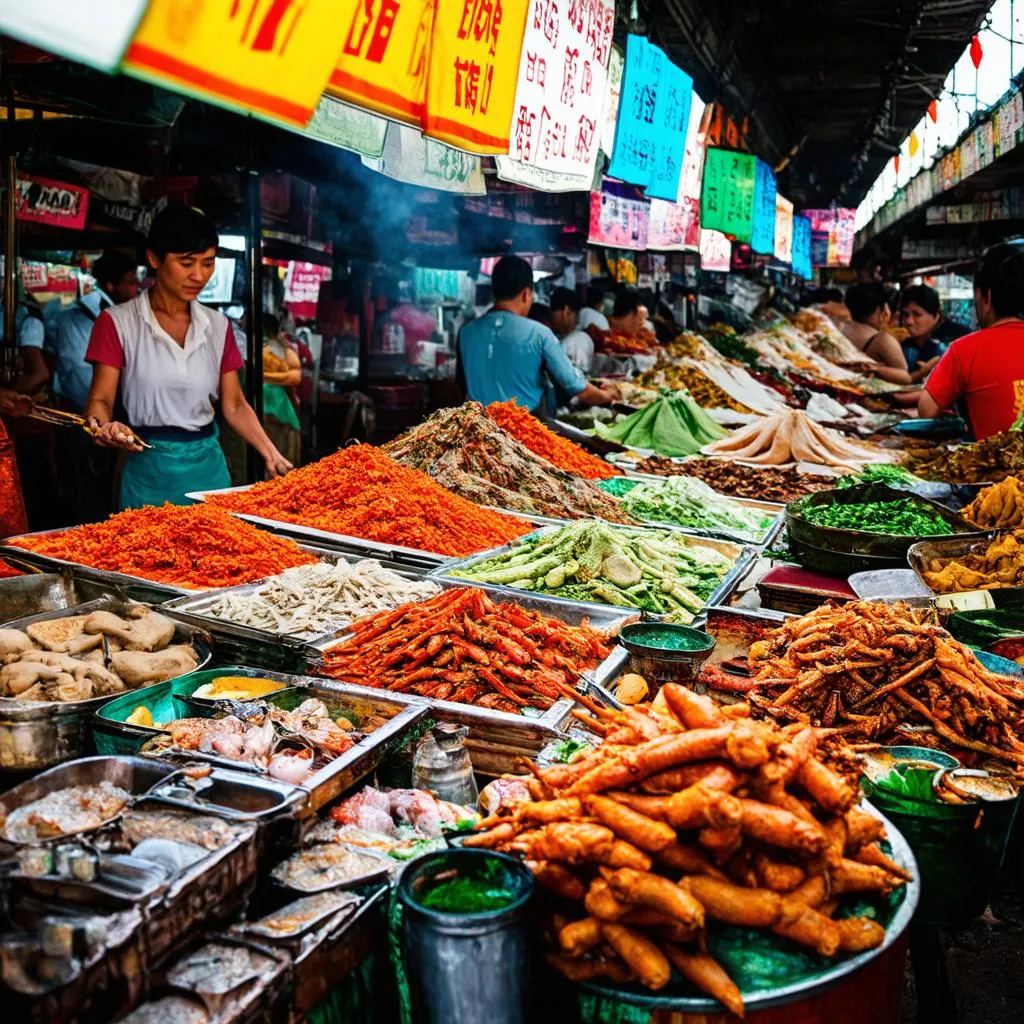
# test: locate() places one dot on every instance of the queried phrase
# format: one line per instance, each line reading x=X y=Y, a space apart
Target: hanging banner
x=302 y=288
x=671 y=124
x=715 y=252
x=633 y=152
x=675 y=227
x=693 y=165
x=832 y=236
x=727 y=195
x=43 y=201
x=802 y=248
x=763 y=233
x=383 y=62
x=617 y=219
x=612 y=94
x=543 y=181
x=346 y=127
x=271 y=57
x=783 y=229
x=416 y=160
x=471 y=76
x=95 y=33
x=560 y=94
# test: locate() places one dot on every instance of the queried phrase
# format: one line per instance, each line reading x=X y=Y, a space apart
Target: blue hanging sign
x=763 y=237
x=802 y=248
x=671 y=124
x=634 y=150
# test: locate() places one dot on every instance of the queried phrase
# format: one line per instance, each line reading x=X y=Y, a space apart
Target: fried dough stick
x=850 y=876
x=580 y=937
x=805 y=925
x=659 y=893
x=873 y=855
x=778 y=827
x=557 y=879
x=736 y=904
x=636 y=828
x=579 y=970
x=707 y=975
x=859 y=934
x=640 y=954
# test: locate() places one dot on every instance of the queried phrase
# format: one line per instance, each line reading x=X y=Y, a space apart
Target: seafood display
x=879 y=672
x=361 y=492
x=316 y=599
x=65 y=812
x=690 y=814
x=298 y=916
x=465 y=647
x=79 y=657
x=1000 y=564
x=193 y=547
x=148 y=822
x=685 y=501
x=558 y=450
x=760 y=483
x=651 y=570
x=465 y=450
x=328 y=865
x=980 y=462
x=999 y=507
x=673 y=425
x=792 y=436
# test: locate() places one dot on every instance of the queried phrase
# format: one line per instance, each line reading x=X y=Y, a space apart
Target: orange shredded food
x=194 y=546
x=361 y=492
x=558 y=450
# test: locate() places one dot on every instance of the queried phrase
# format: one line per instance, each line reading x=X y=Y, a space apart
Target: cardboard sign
x=561 y=90
x=763 y=233
x=271 y=57
x=42 y=201
x=473 y=65
x=634 y=149
x=618 y=220
x=727 y=196
x=783 y=229
x=383 y=62
x=802 y=248
x=671 y=123
x=416 y=160
x=538 y=178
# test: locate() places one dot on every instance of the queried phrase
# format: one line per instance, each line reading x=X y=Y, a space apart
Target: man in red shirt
x=986 y=368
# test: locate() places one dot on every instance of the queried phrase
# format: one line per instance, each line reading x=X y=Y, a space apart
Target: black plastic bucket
x=465 y=967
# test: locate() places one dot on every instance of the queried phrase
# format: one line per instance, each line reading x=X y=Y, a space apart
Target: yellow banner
x=272 y=57
x=474 y=67
x=383 y=63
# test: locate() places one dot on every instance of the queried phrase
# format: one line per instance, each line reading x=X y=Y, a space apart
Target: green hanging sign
x=727 y=197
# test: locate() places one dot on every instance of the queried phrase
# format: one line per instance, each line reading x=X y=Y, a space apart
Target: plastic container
x=467 y=966
x=664 y=652
x=442 y=765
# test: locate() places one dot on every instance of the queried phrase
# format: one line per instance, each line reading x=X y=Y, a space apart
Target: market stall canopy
x=830 y=89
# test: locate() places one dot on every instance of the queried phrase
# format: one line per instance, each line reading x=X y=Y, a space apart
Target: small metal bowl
x=660 y=665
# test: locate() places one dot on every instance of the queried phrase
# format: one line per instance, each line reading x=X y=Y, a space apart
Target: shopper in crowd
x=629 y=314
x=540 y=313
x=576 y=343
x=921 y=315
x=869 y=307
x=830 y=301
x=985 y=370
x=592 y=313
x=169 y=358
x=282 y=375
x=504 y=355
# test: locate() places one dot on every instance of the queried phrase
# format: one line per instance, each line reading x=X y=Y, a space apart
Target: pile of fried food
x=703 y=389
x=79 y=657
x=691 y=813
x=992 y=459
x=999 y=507
x=996 y=564
x=792 y=436
x=879 y=672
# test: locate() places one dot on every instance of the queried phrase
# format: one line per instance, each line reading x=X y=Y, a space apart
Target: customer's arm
x=569 y=378
x=945 y=385
x=891 y=363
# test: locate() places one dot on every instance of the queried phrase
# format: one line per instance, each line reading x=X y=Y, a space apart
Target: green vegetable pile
x=687 y=501
x=882 y=473
x=673 y=424
x=617 y=486
x=729 y=344
x=651 y=570
x=901 y=518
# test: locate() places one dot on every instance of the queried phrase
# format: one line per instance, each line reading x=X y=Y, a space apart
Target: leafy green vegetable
x=618 y=485
x=565 y=750
x=883 y=473
x=673 y=424
x=901 y=518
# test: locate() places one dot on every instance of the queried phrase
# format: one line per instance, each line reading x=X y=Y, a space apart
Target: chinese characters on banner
x=272 y=57
x=544 y=181
x=727 y=196
x=346 y=127
x=715 y=252
x=676 y=226
x=474 y=54
x=802 y=248
x=763 y=233
x=560 y=95
x=633 y=152
x=383 y=62
x=302 y=288
x=783 y=229
x=43 y=201
x=671 y=124
x=618 y=219
x=832 y=237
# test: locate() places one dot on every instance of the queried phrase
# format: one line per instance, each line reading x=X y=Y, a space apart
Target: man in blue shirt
x=503 y=355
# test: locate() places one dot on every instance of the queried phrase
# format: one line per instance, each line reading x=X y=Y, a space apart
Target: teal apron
x=176 y=464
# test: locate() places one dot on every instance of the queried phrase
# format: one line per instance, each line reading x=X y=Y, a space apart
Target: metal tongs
x=59 y=418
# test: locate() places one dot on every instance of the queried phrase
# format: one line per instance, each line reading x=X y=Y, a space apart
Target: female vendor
x=168 y=358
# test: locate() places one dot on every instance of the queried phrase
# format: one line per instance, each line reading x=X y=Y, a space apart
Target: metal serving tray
x=37 y=734
x=743 y=556
x=35 y=593
x=946 y=549
x=406 y=557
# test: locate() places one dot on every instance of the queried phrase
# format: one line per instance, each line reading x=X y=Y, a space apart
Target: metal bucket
x=440 y=947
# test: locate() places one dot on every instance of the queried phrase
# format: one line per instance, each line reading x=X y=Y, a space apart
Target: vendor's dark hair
x=863 y=300
x=181 y=229
x=271 y=326
x=562 y=297
x=822 y=295
x=923 y=296
x=111 y=267
x=541 y=313
x=626 y=302
x=1000 y=273
x=594 y=296
x=510 y=276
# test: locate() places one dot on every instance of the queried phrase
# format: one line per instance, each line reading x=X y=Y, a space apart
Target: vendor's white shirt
x=162 y=383
x=592 y=318
x=579 y=347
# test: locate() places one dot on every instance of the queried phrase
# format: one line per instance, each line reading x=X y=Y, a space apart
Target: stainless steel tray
x=38 y=734
x=407 y=557
x=37 y=592
x=743 y=559
x=946 y=549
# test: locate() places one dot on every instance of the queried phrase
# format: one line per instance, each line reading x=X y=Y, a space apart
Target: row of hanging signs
x=422 y=88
